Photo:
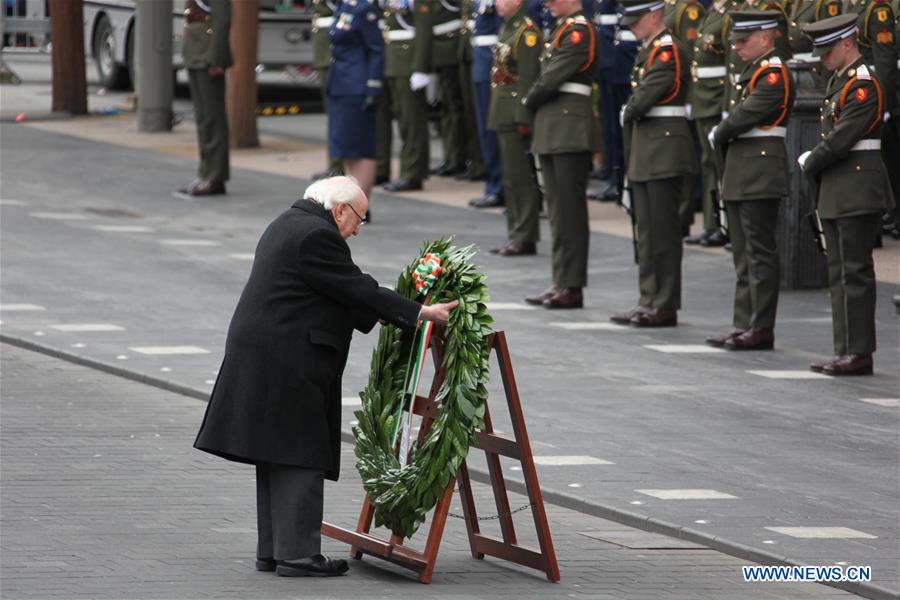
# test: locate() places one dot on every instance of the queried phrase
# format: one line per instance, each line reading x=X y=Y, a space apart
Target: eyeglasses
x=362 y=220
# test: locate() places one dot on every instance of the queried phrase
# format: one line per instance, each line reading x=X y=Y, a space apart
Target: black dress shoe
x=487 y=201
x=266 y=564
x=606 y=193
x=381 y=179
x=448 y=169
x=403 y=185
x=714 y=239
x=314 y=566
x=599 y=174
x=471 y=174
x=697 y=238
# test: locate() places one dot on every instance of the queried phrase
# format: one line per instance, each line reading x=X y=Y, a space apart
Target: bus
x=285 y=38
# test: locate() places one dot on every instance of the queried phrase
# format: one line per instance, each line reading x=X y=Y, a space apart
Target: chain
x=492 y=517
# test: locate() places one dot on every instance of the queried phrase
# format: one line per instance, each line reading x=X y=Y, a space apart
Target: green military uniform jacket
x=875 y=27
x=683 y=18
x=516 y=67
x=756 y=165
x=708 y=73
x=323 y=15
x=851 y=182
x=438 y=29
x=659 y=146
x=464 y=46
x=206 y=42
x=561 y=96
x=406 y=53
x=809 y=11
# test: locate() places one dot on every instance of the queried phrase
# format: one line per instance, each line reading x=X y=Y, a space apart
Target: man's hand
x=216 y=71
x=801 y=160
x=417 y=81
x=712 y=137
x=439 y=313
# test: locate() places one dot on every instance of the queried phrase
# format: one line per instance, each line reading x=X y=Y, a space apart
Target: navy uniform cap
x=632 y=10
x=745 y=22
x=827 y=32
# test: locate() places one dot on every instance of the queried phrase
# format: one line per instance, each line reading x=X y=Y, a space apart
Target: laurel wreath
x=403 y=496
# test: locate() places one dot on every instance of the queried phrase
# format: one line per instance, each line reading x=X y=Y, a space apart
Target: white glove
x=886 y=117
x=724 y=114
x=712 y=137
x=801 y=160
x=689 y=112
x=622 y=117
x=431 y=91
x=418 y=80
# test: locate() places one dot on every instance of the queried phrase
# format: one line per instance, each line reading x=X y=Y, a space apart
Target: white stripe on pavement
x=684 y=348
x=789 y=374
x=509 y=306
x=189 y=243
x=59 y=216
x=888 y=402
x=823 y=533
x=242 y=256
x=164 y=350
x=86 y=327
x=687 y=494
x=565 y=461
x=20 y=307
x=124 y=228
x=589 y=326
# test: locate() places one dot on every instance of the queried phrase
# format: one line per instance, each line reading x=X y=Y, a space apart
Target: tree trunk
x=67 y=35
x=241 y=83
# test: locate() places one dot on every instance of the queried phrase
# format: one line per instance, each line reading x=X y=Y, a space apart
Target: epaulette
x=579 y=20
x=863 y=73
x=529 y=22
x=666 y=39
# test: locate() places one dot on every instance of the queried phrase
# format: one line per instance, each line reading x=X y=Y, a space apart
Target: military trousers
x=208 y=96
x=520 y=189
x=751 y=226
x=890 y=153
x=612 y=96
x=384 y=135
x=490 y=148
x=689 y=189
x=453 y=127
x=289 y=502
x=411 y=111
x=655 y=204
x=565 y=183
x=708 y=171
x=335 y=163
x=849 y=242
x=471 y=141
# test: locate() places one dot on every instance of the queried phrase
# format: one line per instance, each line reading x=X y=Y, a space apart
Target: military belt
x=400 y=35
x=448 y=27
x=484 y=40
x=571 y=87
x=758 y=132
x=805 y=57
x=323 y=22
x=606 y=19
x=667 y=111
x=863 y=145
x=710 y=72
x=623 y=35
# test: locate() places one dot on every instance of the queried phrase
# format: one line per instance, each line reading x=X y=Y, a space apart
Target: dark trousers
x=288 y=511
x=523 y=198
x=752 y=225
x=708 y=170
x=565 y=181
x=612 y=96
x=384 y=134
x=659 y=241
x=471 y=147
x=490 y=147
x=208 y=96
x=851 y=280
x=452 y=118
x=335 y=163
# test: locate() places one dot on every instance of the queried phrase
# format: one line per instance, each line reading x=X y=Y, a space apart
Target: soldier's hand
x=216 y=71
x=417 y=81
x=369 y=103
x=712 y=137
x=801 y=160
x=523 y=130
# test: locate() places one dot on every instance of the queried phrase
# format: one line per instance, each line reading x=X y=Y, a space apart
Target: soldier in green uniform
x=206 y=56
x=853 y=190
x=564 y=139
x=405 y=54
x=810 y=11
x=440 y=32
x=683 y=18
x=708 y=82
x=756 y=177
x=323 y=17
x=516 y=67
x=660 y=150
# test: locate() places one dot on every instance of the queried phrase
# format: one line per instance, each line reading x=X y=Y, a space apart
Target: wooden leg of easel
x=363 y=525
x=501 y=498
x=438 y=520
x=468 y=504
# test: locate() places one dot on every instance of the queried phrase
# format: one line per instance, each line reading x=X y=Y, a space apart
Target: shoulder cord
x=787 y=93
x=676 y=87
x=878 y=93
x=592 y=46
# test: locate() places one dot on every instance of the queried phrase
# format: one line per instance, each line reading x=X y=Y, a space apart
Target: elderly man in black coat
x=277 y=400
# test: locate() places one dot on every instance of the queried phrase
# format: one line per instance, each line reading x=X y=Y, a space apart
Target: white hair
x=332 y=191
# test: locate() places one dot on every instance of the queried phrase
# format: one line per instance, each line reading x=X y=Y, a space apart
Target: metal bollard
x=153 y=48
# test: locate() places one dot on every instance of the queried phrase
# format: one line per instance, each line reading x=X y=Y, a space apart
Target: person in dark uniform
x=276 y=403
x=516 y=66
x=565 y=137
x=354 y=84
x=323 y=17
x=756 y=177
x=660 y=153
x=471 y=144
x=206 y=56
x=485 y=28
x=853 y=190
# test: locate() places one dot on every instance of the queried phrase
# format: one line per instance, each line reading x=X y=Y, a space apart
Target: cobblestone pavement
x=104 y=497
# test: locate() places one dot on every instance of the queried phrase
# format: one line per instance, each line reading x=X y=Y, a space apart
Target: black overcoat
x=277 y=398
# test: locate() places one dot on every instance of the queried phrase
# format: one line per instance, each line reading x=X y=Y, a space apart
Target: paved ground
x=103 y=497
x=615 y=416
